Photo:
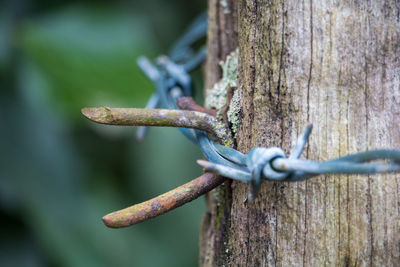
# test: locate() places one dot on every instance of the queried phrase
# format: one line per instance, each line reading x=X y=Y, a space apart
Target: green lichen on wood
x=216 y=97
x=234 y=111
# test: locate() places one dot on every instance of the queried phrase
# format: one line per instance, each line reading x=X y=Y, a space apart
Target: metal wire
x=172 y=80
x=295 y=169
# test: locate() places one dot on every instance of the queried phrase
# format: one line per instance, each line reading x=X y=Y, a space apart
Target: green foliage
x=89 y=58
x=59 y=173
x=216 y=96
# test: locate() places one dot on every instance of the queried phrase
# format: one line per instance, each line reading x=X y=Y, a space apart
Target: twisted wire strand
x=277 y=167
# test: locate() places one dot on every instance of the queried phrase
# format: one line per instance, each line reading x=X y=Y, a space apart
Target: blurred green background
x=60 y=173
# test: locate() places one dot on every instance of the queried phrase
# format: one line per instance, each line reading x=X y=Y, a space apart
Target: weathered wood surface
x=335 y=64
x=222 y=39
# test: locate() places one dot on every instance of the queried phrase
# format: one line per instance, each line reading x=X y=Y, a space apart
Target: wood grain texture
x=221 y=37
x=335 y=64
x=221 y=41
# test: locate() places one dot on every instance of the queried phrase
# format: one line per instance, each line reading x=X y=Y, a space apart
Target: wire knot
x=259 y=163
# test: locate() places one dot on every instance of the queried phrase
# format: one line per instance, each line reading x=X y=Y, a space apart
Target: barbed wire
x=172 y=81
x=260 y=163
x=271 y=164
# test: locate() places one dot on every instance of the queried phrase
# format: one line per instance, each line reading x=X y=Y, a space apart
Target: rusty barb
x=163 y=117
x=163 y=203
x=160 y=117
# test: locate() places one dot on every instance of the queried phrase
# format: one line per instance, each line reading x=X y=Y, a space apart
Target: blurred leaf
x=62 y=185
x=59 y=179
x=5 y=33
x=62 y=198
x=89 y=57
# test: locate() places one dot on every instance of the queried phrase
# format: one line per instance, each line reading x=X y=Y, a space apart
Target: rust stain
x=163 y=203
x=187 y=103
